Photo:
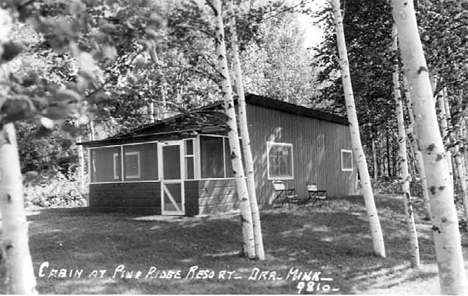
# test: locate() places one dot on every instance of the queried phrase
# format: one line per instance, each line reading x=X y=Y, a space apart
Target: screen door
x=172 y=185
